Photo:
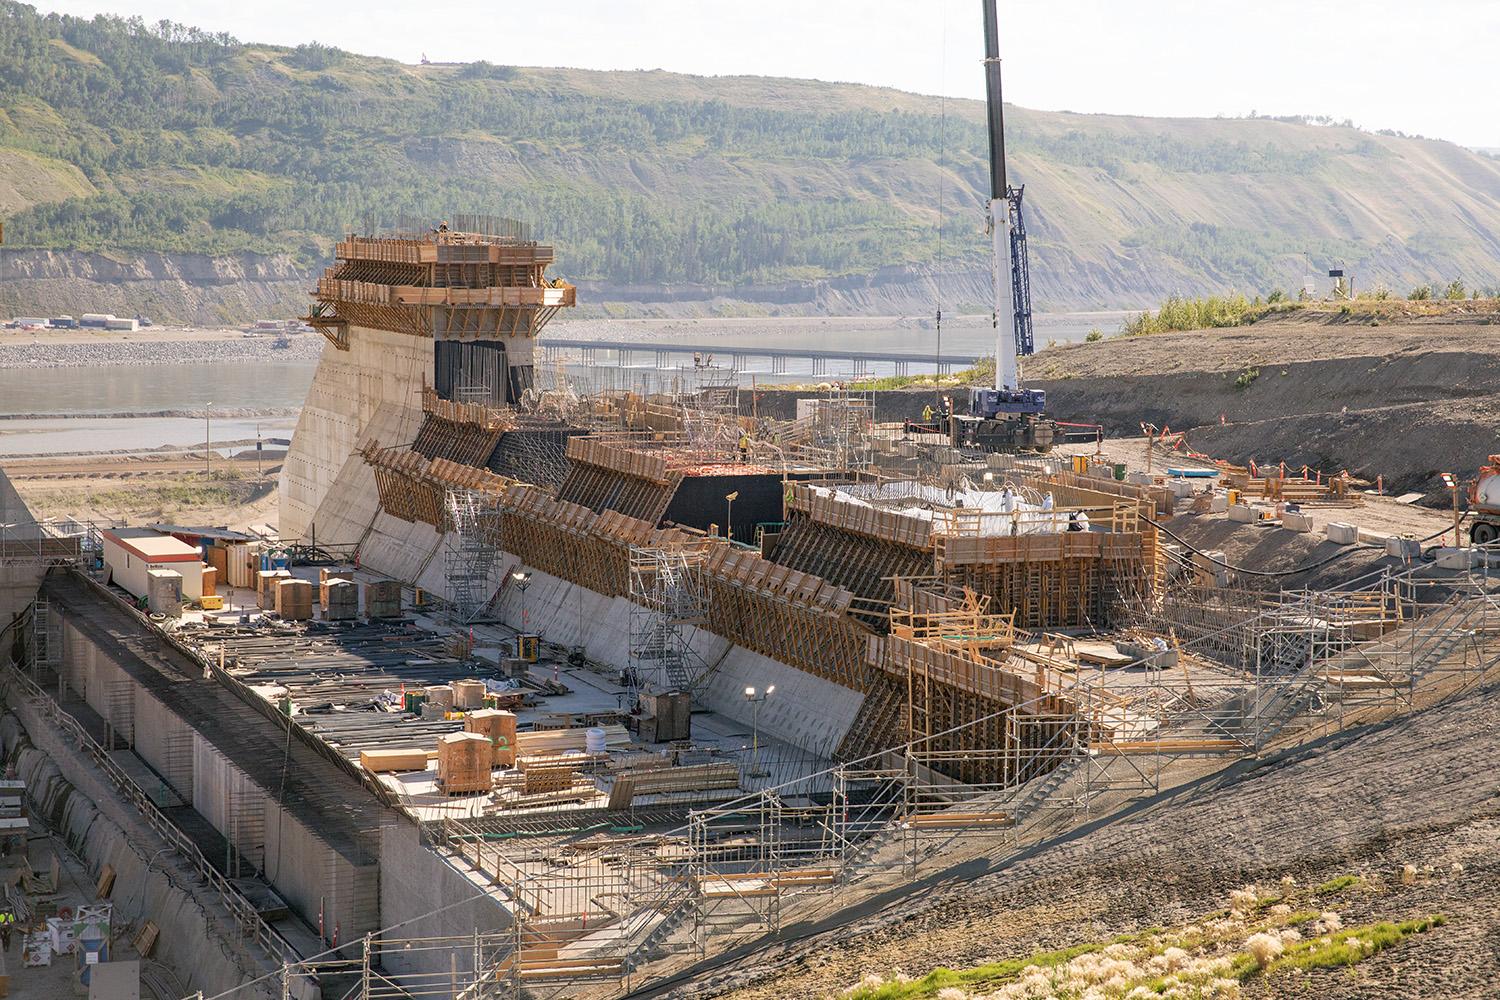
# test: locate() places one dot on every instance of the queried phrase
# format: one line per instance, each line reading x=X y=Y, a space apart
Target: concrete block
x=1449 y=557
x=1403 y=548
x=1219 y=504
x=1243 y=513
x=1342 y=534
x=1293 y=521
x=1140 y=478
x=1181 y=488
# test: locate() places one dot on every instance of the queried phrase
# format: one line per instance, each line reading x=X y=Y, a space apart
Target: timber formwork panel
x=862 y=564
x=599 y=488
x=413 y=488
x=461 y=442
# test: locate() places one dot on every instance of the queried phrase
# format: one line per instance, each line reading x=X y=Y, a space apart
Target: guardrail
x=247 y=920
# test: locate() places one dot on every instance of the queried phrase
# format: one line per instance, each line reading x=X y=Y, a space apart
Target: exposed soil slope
x=1367 y=803
x=1402 y=397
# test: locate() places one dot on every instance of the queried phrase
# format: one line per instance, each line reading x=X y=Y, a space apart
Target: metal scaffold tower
x=842 y=421
x=667 y=603
x=469 y=562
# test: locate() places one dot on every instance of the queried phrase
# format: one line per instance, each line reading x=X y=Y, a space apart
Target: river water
x=69 y=410
x=90 y=409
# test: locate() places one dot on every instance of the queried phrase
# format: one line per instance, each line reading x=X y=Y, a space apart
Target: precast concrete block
x=1342 y=534
x=1219 y=504
x=1243 y=513
x=1449 y=557
x=1403 y=548
x=1293 y=521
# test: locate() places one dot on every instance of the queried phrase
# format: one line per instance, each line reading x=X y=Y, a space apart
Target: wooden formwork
x=862 y=563
x=462 y=442
x=602 y=477
x=415 y=489
x=1159 y=498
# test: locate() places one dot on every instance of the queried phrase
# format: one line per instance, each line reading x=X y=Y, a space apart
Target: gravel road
x=151 y=349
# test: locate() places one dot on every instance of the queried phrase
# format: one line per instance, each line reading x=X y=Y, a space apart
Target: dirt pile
x=1402 y=397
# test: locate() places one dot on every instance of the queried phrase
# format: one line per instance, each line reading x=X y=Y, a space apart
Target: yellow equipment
x=527 y=647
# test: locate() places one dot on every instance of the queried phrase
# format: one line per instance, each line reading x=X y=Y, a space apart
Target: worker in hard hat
x=744 y=446
x=1047 y=502
x=927 y=414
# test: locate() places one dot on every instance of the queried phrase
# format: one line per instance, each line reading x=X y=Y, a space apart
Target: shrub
x=1264 y=948
x=1093 y=337
x=1420 y=294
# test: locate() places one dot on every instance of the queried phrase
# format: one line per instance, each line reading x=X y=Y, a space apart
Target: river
x=93 y=408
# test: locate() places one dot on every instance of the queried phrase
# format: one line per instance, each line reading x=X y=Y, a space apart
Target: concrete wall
x=18 y=582
x=349 y=387
x=807 y=711
x=75 y=799
x=416 y=882
x=304 y=869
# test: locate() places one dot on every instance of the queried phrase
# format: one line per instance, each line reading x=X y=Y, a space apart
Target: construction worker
x=7 y=924
x=744 y=446
x=927 y=414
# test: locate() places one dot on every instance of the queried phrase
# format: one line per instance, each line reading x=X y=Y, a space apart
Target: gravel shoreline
x=134 y=353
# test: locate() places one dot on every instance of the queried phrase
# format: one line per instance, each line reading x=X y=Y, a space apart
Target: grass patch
x=1347 y=947
x=1337 y=885
x=989 y=973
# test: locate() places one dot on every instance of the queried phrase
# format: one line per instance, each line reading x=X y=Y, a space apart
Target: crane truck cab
x=1005 y=420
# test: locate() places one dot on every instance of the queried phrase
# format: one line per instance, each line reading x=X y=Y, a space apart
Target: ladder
x=41 y=628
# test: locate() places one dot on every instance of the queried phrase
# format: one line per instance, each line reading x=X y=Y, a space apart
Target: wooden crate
x=500 y=728
x=465 y=761
x=294 y=600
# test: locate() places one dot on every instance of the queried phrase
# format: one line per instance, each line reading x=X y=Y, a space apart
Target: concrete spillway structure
x=415 y=399
x=457 y=311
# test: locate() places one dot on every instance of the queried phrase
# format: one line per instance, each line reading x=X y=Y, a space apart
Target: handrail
x=246 y=917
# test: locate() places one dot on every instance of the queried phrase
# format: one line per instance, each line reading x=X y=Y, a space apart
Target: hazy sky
x=1425 y=67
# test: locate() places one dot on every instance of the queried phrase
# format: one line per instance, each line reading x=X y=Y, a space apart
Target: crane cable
x=1271 y=573
x=937 y=276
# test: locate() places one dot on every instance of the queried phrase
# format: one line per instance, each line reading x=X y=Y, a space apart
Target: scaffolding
x=668 y=604
x=470 y=561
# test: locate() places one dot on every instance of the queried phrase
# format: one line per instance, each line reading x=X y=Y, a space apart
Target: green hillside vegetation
x=116 y=135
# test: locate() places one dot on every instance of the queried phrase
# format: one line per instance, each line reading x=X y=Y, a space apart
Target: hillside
x=119 y=138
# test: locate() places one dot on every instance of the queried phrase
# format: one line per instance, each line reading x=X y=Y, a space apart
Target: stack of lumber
x=548 y=779
x=294 y=600
x=464 y=763
x=402 y=759
x=546 y=741
x=570 y=760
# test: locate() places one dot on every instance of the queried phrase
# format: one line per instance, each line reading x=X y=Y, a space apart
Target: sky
x=1421 y=68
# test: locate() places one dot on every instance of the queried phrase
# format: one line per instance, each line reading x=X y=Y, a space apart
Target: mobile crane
x=1008 y=417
